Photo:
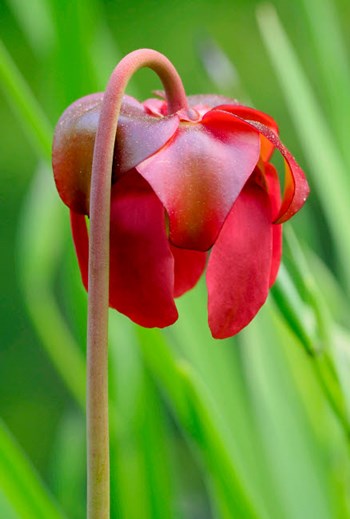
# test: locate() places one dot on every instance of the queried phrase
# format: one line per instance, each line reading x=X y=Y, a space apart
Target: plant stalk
x=98 y=480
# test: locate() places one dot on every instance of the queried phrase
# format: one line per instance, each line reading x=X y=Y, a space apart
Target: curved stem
x=98 y=493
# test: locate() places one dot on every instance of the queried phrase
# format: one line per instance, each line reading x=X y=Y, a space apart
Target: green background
x=280 y=441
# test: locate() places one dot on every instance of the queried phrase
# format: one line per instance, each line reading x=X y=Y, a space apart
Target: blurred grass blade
x=341 y=354
x=40 y=240
x=311 y=324
x=68 y=466
x=75 y=27
x=204 y=429
x=161 y=362
x=333 y=64
x=5 y=508
x=38 y=251
x=21 y=484
x=36 y=23
x=140 y=462
x=217 y=364
x=125 y=375
x=197 y=419
x=294 y=310
x=105 y=55
x=299 y=467
x=26 y=107
x=309 y=289
x=330 y=176
x=154 y=445
x=220 y=70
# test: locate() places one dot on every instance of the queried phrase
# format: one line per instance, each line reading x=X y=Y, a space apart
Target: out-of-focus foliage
x=252 y=427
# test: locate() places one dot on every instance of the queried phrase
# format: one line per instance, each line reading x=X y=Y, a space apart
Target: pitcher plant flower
x=189 y=188
x=172 y=186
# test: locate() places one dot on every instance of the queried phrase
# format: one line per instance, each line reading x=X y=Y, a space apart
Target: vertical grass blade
x=196 y=416
x=26 y=107
x=300 y=467
x=333 y=64
x=141 y=483
x=21 y=484
x=40 y=241
x=315 y=136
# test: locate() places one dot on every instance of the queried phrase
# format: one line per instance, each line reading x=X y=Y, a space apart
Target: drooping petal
x=81 y=244
x=239 y=266
x=188 y=268
x=296 y=188
x=250 y=114
x=142 y=265
x=199 y=174
x=275 y=200
x=72 y=151
x=139 y=135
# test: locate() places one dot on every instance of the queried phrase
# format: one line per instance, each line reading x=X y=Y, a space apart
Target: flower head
x=191 y=190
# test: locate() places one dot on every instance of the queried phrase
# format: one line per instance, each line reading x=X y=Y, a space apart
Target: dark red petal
x=142 y=265
x=239 y=266
x=139 y=135
x=296 y=188
x=81 y=244
x=189 y=266
x=275 y=200
x=199 y=174
x=72 y=151
x=251 y=114
x=141 y=262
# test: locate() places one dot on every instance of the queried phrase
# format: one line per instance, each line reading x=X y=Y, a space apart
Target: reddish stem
x=98 y=498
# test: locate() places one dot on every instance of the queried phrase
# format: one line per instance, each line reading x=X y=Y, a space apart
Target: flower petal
x=72 y=151
x=199 y=174
x=142 y=265
x=239 y=265
x=275 y=199
x=296 y=188
x=81 y=244
x=188 y=268
x=156 y=107
x=202 y=102
x=251 y=114
x=139 y=135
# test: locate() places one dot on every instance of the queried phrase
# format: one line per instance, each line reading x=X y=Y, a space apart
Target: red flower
x=183 y=189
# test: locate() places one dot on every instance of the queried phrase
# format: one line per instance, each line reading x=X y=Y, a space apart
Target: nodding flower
x=192 y=191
